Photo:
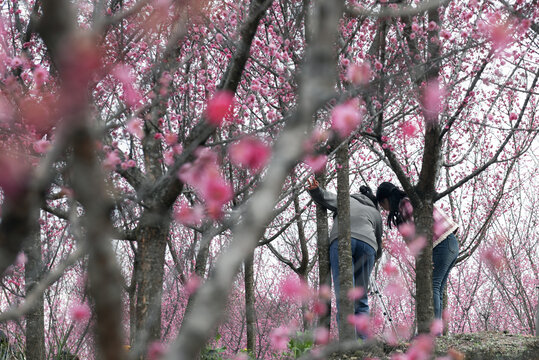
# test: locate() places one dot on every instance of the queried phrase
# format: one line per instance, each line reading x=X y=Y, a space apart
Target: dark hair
x=387 y=190
x=365 y=190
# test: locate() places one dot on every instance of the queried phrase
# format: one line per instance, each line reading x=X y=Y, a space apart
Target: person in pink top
x=445 y=247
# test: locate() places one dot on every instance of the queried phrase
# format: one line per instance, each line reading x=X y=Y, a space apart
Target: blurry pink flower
x=111 y=161
x=216 y=191
x=416 y=246
x=345 y=118
x=279 y=338
x=219 y=107
x=171 y=139
x=156 y=350
x=250 y=152
x=321 y=336
x=134 y=127
x=432 y=26
x=320 y=308
x=500 y=36
x=394 y=288
x=513 y=116
x=437 y=327
x=407 y=230
x=409 y=129
x=431 y=100
x=356 y=293
x=295 y=289
x=41 y=146
x=123 y=74
x=415 y=27
x=21 y=259
x=169 y=157
x=359 y=74
x=421 y=348
x=192 y=285
x=316 y=162
x=361 y=322
x=324 y=292
x=16 y=62
x=189 y=216
x=378 y=65
x=79 y=312
x=492 y=258
x=40 y=75
x=390 y=270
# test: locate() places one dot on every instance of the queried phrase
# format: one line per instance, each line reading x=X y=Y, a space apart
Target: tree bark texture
x=322 y=244
x=346 y=280
x=250 y=317
x=35 y=323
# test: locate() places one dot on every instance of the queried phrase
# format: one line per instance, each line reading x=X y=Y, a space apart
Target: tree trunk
x=250 y=318
x=35 y=325
x=151 y=255
x=346 y=281
x=424 y=302
x=324 y=270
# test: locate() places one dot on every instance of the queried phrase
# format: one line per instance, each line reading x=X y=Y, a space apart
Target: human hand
x=312 y=184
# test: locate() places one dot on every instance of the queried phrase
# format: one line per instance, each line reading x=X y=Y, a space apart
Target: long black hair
x=387 y=190
x=365 y=190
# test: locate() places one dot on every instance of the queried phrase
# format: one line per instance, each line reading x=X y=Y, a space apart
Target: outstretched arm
x=322 y=197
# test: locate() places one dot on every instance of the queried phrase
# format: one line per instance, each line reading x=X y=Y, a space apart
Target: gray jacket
x=365 y=219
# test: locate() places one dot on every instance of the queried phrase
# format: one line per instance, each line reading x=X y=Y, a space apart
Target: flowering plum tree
x=159 y=145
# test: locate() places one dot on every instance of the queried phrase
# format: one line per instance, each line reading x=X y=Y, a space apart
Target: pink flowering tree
x=160 y=145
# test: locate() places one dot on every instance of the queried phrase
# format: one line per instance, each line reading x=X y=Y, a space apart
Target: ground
x=473 y=346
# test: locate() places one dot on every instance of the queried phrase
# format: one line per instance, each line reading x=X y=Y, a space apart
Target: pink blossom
x=79 y=312
x=41 y=146
x=356 y=293
x=415 y=27
x=134 y=127
x=513 y=116
x=378 y=65
x=432 y=26
x=295 y=289
x=492 y=258
x=421 y=348
x=279 y=338
x=345 y=118
x=219 y=107
x=390 y=270
x=250 y=152
x=16 y=62
x=171 y=139
x=316 y=162
x=40 y=75
x=407 y=230
x=359 y=74
x=156 y=350
x=321 y=336
x=192 y=285
x=431 y=100
x=409 y=129
x=21 y=259
x=394 y=288
x=320 y=308
x=436 y=327
x=361 y=322
x=324 y=292
x=189 y=216
x=416 y=246
x=111 y=161
x=123 y=74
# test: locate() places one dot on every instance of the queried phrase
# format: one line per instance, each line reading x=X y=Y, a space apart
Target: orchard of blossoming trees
x=154 y=154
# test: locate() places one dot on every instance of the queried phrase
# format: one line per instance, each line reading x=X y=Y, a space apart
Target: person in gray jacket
x=366 y=238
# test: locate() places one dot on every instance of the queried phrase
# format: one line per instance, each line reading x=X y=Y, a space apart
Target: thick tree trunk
x=35 y=325
x=250 y=318
x=424 y=302
x=346 y=281
x=151 y=254
x=322 y=244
